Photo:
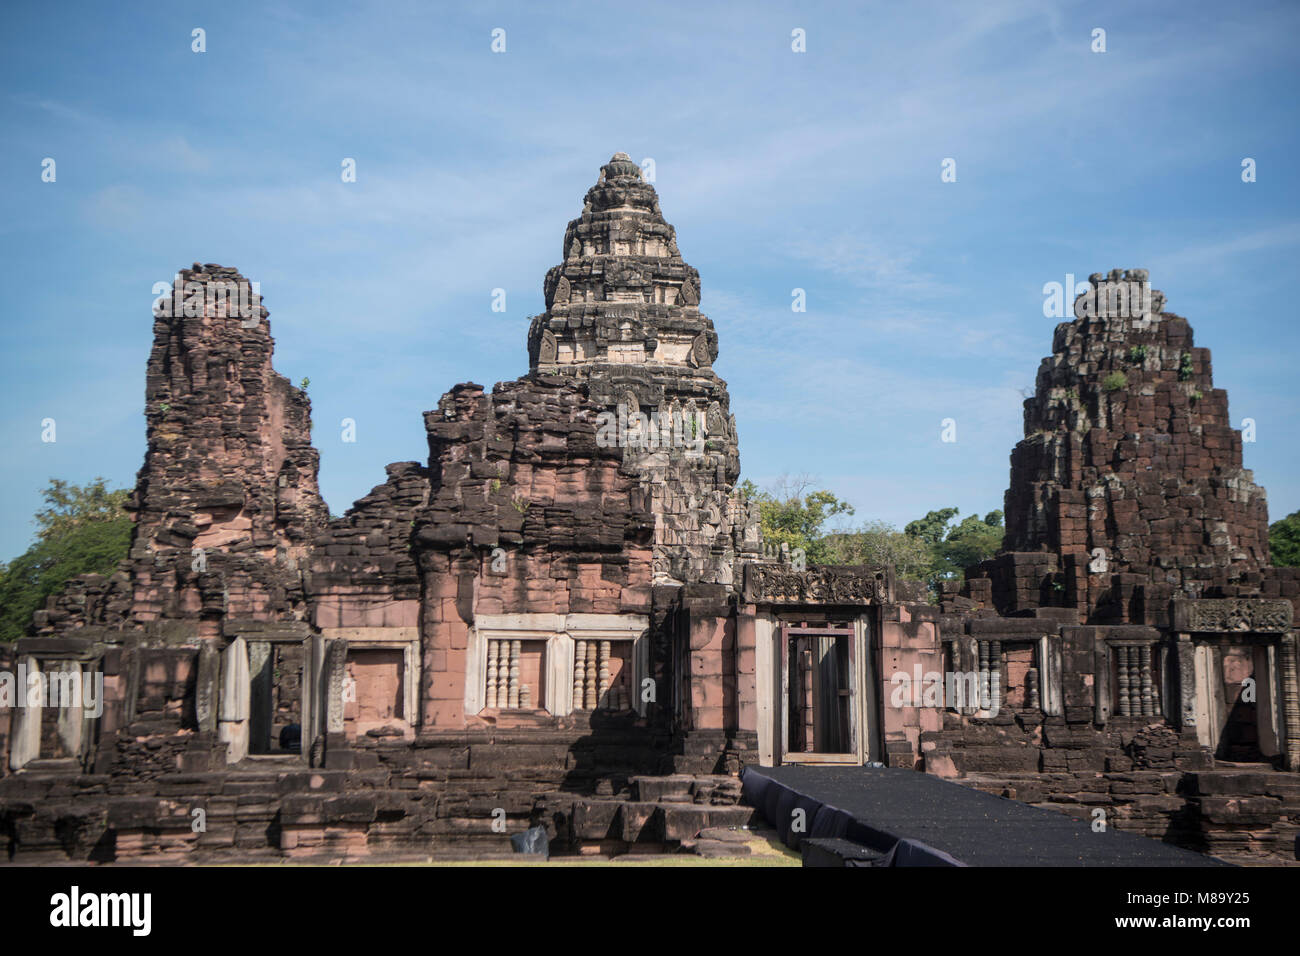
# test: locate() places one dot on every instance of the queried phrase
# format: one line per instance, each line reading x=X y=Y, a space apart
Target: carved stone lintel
x=1233 y=615
x=780 y=584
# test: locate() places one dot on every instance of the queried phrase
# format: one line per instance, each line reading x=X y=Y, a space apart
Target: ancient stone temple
x=563 y=615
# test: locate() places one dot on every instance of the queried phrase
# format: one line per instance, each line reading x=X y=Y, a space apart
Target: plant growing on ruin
x=1197 y=395
x=1185 y=370
x=496 y=485
x=1137 y=354
x=521 y=504
x=1114 y=381
x=164 y=407
x=304 y=383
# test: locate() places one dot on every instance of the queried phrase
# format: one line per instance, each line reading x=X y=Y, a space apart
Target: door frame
x=859 y=697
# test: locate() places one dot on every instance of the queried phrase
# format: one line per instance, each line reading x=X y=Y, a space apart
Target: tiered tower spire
x=623 y=315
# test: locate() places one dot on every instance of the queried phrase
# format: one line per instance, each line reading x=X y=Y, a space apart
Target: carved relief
x=548 y=348
x=562 y=293
x=1234 y=614
x=699 y=354
x=689 y=294
x=781 y=584
x=336 y=656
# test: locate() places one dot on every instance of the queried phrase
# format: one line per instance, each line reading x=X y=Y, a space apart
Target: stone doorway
x=1237 y=716
x=374 y=695
x=275 y=697
x=820 y=710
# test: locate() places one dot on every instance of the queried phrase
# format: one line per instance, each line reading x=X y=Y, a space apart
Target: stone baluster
x=493 y=649
x=602 y=671
x=1122 y=675
x=503 y=674
x=526 y=697
x=1148 y=684
x=1032 y=699
x=589 y=689
x=995 y=677
x=985 y=697
x=514 y=675
x=579 y=673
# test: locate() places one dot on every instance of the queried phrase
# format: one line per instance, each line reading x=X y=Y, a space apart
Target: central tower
x=623 y=317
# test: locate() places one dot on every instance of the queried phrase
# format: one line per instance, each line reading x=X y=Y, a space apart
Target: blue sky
x=816 y=170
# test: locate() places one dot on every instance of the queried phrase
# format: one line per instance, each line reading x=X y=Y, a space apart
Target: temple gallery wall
x=537 y=624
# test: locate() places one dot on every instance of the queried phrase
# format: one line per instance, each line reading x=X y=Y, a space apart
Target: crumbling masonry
x=564 y=615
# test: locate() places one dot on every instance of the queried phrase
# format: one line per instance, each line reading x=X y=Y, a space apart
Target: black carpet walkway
x=879 y=807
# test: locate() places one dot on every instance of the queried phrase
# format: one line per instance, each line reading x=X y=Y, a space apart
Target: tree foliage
x=1284 y=541
x=82 y=530
x=791 y=514
x=930 y=549
x=69 y=506
x=878 y=543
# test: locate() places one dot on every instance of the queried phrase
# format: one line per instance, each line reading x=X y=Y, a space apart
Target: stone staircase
x=447 y=796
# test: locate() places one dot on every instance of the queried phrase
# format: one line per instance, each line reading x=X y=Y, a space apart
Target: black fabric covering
x=915 y=819
x=827 y=852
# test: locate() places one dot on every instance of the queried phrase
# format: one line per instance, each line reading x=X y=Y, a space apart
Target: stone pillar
x=26 y=741
x=1290 y=698
x=338 y=755
x=71 y=718
x=207 y=686
x=233 y=710
x=1185 y=656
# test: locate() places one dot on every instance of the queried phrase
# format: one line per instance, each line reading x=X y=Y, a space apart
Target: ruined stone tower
x=1129 y=482
x=623 y=316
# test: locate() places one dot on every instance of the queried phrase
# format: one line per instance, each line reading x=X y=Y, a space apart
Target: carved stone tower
x=623 y=316
x=1130 y=470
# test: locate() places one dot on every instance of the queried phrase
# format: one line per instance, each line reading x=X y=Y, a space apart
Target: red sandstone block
x=707 y=718
x=705 y=664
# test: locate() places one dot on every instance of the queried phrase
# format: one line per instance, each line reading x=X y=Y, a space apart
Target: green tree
x=1284 y=541
x=955 y=548
x=931 y=528
x=878 y=543
x=790 y=514
x=82 y=530
x=972 y=541
x=69 y=506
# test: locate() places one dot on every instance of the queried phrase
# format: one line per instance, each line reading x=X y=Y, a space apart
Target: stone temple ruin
x=556 y=620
